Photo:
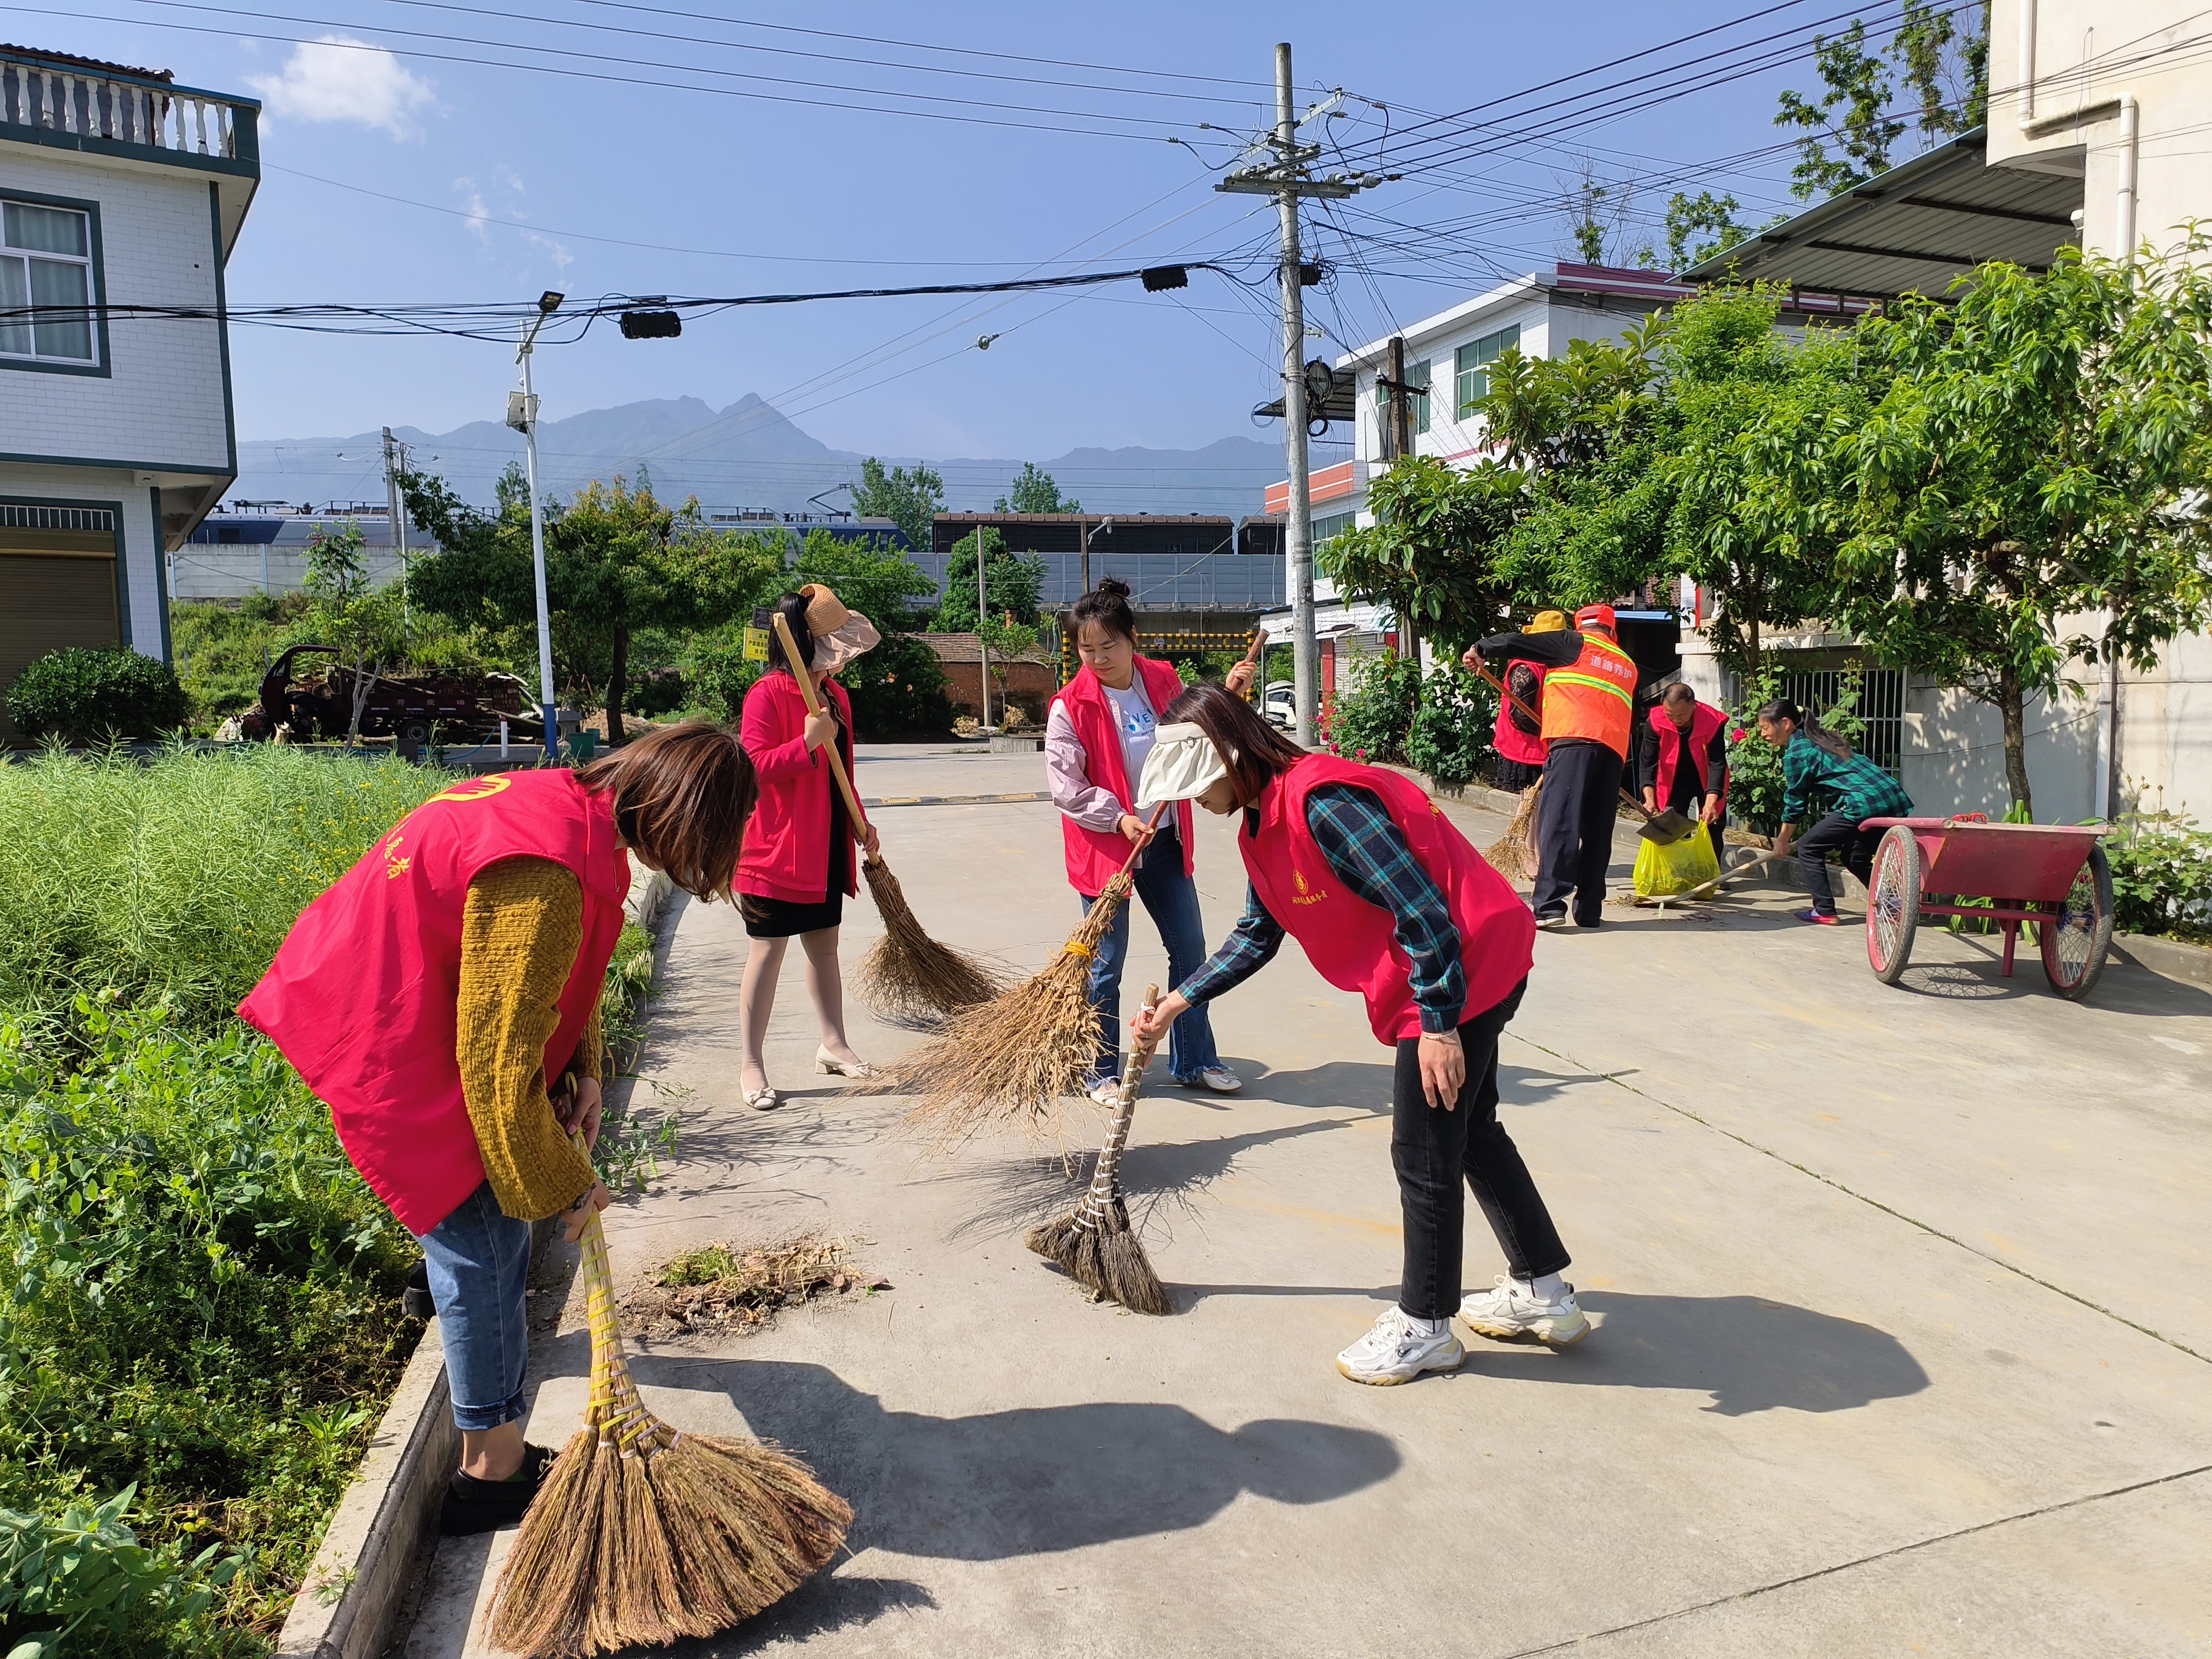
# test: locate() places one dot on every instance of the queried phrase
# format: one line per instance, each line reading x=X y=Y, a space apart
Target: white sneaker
x=1550 y=920
x=1106 y=1091
x=1393 y=1352
x=1511 y=1310
x=1219 y=1079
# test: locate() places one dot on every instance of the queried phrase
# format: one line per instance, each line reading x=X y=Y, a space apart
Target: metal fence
x=1881 y=705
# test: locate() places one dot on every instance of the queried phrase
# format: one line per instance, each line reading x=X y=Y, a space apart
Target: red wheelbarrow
x=2051 y=874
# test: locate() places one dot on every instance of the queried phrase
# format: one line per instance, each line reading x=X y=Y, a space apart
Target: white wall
x=162 y=404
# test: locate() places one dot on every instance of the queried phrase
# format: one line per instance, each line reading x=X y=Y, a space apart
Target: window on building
x=1880 y=706
x=1334 y=525
x=46 y=260
x=1417 y=374
x=1473 y=362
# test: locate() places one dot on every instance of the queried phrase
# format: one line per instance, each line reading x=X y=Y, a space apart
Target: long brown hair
x=682 y=795
x=1253 y=752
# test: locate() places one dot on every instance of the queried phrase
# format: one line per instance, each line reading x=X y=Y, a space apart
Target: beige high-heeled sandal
x=826 y=1065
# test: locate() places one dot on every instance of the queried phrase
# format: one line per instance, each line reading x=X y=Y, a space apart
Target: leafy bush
x=717 y=674
x=1371 y=717
x=1452 y=727
x=177 y=878
x=91 y=693
x=2161 y=875
x=85 y=1570
x=898 y=691
x=203 y=1310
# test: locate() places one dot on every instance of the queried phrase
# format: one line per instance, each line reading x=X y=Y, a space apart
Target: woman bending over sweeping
x=1096 y=738
x=1819 y=766
x=443 y=997
x=798 y=868
x=1389 y=899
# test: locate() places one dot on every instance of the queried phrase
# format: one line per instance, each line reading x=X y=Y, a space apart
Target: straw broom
x=906 y=973
x=642 y=1534
x=1095 y=1244
x=1012 y=1058
x=1514 y=852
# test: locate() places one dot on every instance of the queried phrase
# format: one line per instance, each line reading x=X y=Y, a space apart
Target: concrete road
x=1902 y=1297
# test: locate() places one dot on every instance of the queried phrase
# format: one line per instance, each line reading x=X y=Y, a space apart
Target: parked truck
x=410 y=709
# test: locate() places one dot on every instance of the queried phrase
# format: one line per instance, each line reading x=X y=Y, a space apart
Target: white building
x=118 y=189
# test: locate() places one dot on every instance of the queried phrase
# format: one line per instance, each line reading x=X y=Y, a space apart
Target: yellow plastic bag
x=1663 y=871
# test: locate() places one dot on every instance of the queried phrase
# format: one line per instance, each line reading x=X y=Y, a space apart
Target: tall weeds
x=177 y=879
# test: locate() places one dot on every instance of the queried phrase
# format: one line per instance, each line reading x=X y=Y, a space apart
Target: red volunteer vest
x=1704 y=721
x=1511 y=740
x=1095 y=855
x=1593 y=697
x=1350 y=941
x=364 y=996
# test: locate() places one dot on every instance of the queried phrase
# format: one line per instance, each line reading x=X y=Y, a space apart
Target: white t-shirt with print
x=1138 y=726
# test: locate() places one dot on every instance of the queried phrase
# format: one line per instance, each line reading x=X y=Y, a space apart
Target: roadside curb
x=2171 y=957
x=369 y=1550
x=370 y=1544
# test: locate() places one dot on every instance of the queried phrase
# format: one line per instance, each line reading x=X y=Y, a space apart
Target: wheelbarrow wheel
x=1894 y=904
x=2077 y=939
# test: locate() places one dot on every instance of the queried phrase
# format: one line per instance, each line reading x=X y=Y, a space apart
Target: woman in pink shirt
x=798 y=867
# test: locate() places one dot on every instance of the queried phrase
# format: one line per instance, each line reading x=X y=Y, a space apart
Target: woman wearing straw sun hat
x=1389 y=899
x=799 y=867
x=442 y=998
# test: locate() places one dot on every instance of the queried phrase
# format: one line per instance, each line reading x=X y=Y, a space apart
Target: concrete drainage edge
x=353 y=1588
x=2173 y=957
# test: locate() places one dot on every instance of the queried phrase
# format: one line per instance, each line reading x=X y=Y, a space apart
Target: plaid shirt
x=1369 y=856
x=1850 y=783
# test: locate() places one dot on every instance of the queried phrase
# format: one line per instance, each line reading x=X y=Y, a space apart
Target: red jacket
x=1094 y=855
x=787 y=854
x=1514 y=738
x=364 y=994
x=1703 y=722
x=1350 y=942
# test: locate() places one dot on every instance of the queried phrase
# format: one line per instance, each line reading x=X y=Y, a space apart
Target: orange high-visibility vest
x=1593 y=697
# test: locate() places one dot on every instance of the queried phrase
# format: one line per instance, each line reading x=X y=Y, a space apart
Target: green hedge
x=88 y=695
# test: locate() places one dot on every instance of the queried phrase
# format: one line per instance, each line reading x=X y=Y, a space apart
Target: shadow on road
x=1749 y=1354
x=827 y=1603
x=1030 y=1481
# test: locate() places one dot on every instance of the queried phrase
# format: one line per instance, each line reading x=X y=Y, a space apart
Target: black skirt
x=775 y=918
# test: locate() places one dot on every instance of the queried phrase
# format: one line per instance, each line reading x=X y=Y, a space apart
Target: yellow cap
x=1549 y=622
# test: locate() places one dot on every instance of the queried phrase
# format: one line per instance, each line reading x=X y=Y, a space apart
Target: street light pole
x=548 y=303
x=983 y=651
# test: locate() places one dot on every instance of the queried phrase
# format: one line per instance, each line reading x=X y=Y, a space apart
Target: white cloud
x=337 y=78
x=482 y=216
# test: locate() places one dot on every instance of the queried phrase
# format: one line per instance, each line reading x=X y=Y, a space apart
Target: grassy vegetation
x=200 y=1297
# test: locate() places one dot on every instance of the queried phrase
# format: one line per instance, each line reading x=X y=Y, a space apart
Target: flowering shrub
x=2161 y=875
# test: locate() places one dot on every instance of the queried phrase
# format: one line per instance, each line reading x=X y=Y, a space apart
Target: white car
x=1278 y=704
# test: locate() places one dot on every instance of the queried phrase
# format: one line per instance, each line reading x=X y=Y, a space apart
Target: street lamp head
x=548 y=302
x=983 y=341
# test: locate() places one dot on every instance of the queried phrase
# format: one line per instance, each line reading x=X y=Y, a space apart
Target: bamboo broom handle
x=805 y=678
x=1106 y=1180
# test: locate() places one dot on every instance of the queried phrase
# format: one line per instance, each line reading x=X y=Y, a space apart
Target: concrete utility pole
x=522 y=414
x=1287 y=179
x=395 y=459
x=983 y=651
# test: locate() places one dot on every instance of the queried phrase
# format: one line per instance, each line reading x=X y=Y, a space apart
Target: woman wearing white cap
x=1389 y=899
x=798 y=866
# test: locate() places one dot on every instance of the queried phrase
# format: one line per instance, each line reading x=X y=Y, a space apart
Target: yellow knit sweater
x=521 y=930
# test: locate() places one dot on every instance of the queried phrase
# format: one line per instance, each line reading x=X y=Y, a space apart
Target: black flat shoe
x=472 y=1506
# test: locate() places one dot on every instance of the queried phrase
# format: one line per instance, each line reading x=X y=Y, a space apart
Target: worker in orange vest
x=1590 y=702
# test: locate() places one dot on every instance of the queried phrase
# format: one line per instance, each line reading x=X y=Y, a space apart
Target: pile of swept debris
x=721 y=1287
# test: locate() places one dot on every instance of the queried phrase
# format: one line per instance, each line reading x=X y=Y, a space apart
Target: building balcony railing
x=84 y=104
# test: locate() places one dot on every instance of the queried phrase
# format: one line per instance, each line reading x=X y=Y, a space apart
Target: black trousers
x=1839 y=832
x=1517 y=775
x=1434 y=1151
x=1574 y=829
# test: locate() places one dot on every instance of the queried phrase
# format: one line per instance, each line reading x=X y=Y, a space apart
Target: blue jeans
x=479 y=1262
x=1172 y=899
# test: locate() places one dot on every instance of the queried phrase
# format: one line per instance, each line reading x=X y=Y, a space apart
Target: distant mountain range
x=747 y=455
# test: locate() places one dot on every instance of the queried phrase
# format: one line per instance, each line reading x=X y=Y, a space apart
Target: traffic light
x=651 y=325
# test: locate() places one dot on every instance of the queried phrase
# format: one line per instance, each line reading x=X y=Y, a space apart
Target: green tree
x=1034 y=491
x=2040 y=450
x=1932 y=74
x=1430 y=556
x=1013 y=582
x=880 y=582
x=365 y=623
x=1700 y=226
x=910 y=499
x=1754 y=424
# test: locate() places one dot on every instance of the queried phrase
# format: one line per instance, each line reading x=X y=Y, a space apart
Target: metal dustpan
x=1667 y=827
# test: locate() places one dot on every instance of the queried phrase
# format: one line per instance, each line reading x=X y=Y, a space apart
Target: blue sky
x=1019 y=161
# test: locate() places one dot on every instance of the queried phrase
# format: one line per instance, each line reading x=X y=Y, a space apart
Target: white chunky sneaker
x=1394 y=1352
x=1220 y=1079
x=1106 y=1091
x=1510 y=1310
